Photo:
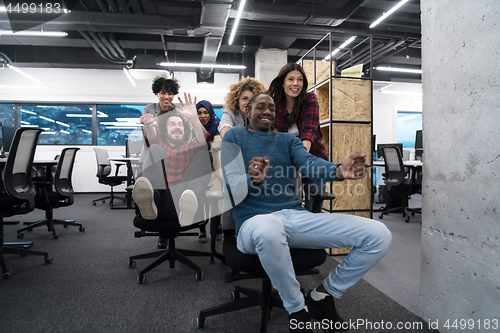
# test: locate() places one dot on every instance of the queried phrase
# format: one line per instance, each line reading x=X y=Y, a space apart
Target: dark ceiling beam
x=121 y=23
x=385 y=22
x=247 y=27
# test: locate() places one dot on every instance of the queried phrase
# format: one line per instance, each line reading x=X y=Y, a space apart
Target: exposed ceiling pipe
x=117 y=46
x=364 y=54
x=98 y=50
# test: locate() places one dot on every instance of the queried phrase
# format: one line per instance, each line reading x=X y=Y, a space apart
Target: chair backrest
x=64 y=171
x=17 y=173
x=133 y=148
x=103 y=163
x=394 y=169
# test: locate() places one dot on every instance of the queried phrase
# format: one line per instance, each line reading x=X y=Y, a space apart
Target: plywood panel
x=347 y=139
x=322 y=70
x=322 y=93
x=351 y=99
x=326 y=140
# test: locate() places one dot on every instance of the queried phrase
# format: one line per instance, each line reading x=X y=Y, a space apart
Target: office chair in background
x=62 y=195
x=103 y=174
x=18 y=193
x=398 y=185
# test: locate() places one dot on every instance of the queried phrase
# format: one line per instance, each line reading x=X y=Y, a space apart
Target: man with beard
x=179 y=137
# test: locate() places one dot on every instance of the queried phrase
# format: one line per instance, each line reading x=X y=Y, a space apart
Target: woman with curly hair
x=297 y=112
x=236 y=101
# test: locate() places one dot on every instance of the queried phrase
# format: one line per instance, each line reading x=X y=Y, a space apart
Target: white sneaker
x=144 y=198
x=188 y=204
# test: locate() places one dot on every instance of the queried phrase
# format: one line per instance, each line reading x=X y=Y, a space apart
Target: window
x=408 y=125
x=63 y=125
x=7 y=114
x=117 y=122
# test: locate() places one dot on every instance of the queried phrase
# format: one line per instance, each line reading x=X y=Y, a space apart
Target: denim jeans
x=271 y=235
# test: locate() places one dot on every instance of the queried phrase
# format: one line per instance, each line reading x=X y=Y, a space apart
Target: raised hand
x=354 y=167
x=148 y=119
x=188 y=106
x=258 y=168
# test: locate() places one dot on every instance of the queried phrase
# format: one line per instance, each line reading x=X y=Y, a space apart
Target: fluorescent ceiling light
x=2 y=9
x=25 y=123
x=129 y=77
x=63 y=131
x=237 y=21
x=23 y=73
x=23 y=87
x=76 y=115
x=407 y=118
x=394 y=92
x=86 y=131
x=34 y=33
x=48 y=133
x=30 y=112
x=62 y=124
x=344 y=44
x=181 y=64
x=392 y=10
x=403 y=70
x=48 y=119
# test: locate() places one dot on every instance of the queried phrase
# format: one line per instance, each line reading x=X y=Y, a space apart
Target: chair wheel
x=103 y=201
x=407 y=219
x=82 y=229
x=24 y=255
x=131 y=264
x=93 y=204
x=48 y=260
x=212 y=260
x=412 y=213
x=201 y=322
x=65 y=225
x=6 y=275
x=141 y=279
x=235 y=295
x=56 y=236
x=381 y=216
x=199 y=276
x=20 y=235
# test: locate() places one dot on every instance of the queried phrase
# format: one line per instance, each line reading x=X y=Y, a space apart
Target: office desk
x=130 y=177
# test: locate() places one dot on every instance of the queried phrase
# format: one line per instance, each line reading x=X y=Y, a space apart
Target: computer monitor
x=380 y=151
x=133 y=148
x=7 y=137
x=419 y=147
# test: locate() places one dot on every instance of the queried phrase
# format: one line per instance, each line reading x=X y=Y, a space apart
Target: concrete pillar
x=460 y=272
x=268 y=63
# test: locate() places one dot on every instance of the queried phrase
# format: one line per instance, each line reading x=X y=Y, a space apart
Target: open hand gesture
x=148 y=120
x=354 y=167
x=188 y=106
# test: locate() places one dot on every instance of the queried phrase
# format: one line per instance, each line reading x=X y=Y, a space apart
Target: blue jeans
x=271 y=235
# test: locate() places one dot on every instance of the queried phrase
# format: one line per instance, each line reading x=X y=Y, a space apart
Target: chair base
x=49 y=222
x=111 y=198
x=404 y=209
x=171 y=254
x=266 y=299
x=4 y=249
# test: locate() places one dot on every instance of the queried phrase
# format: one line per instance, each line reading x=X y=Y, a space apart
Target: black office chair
x=246 y=266
x=17 y=194
x=103 y=174
x=169 y=230
x=55 y=193
x=399 y=186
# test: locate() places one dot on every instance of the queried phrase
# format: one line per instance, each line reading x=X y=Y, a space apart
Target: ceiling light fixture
x=236 y=21
x=392 y=10
x=347 y=42
x=129 y=77
x=181 y=64
x=34 y=33
x=402 y=70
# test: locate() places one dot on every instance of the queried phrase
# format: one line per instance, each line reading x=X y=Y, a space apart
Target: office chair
x=246 y=266
x=398 y=185
x=62 y=196
x=17 y=194
x=103 y=174
x=169 y=230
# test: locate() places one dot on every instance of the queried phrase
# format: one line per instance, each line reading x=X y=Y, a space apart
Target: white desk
x=414 y=164
x=130 y=176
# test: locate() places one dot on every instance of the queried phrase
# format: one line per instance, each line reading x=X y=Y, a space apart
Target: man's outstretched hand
x=354 y=167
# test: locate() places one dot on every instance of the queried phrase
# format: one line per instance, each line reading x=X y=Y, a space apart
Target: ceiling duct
x=213 y=20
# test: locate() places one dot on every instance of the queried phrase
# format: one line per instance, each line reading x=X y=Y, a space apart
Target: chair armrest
x=118 y=165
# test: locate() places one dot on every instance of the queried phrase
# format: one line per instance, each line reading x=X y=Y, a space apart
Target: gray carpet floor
x=90 y=288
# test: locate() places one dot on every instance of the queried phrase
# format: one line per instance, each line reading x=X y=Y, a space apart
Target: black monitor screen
x=419 y=147
x=7 y=137
x=380 y=151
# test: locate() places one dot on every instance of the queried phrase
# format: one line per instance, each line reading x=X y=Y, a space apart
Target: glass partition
x=115 y=123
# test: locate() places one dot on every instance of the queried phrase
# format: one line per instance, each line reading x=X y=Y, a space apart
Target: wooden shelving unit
x=346 y=122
